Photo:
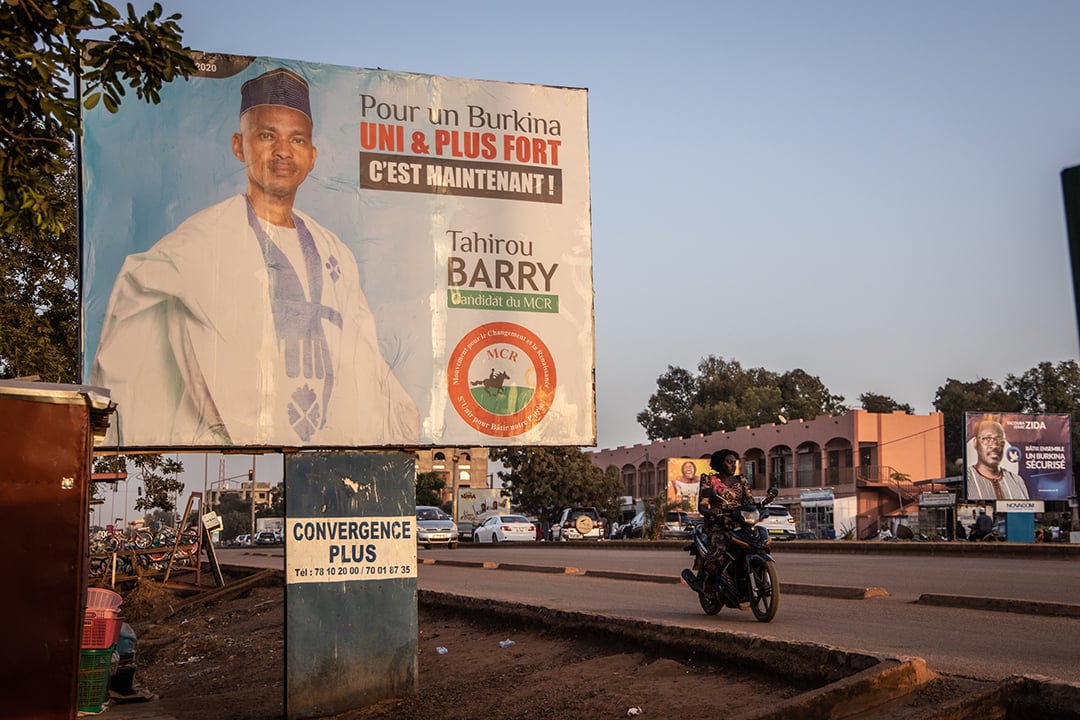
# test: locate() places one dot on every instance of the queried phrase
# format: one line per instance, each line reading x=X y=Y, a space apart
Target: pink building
x=835 y=474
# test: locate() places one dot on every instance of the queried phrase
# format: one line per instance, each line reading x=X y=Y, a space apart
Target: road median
x=830 y=591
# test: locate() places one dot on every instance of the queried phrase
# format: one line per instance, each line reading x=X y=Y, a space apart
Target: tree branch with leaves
x=44 y=48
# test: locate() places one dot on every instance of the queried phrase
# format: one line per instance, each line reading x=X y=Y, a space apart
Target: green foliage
x=159 y=475
x=953 y=399
x=872 y=402
x=235 y=514
x=39 y=302
x=723 y=395
x=429 y=488
x=656 y=509
x=44 y=46
x=1049 y=388
x=276 y=508
x=541 y=481
x=1045 y=388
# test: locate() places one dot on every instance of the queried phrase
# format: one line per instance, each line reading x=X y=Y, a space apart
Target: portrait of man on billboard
x=247 y=323
x=989 y=477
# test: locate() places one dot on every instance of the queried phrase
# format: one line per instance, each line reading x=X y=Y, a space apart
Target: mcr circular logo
x=501 y=379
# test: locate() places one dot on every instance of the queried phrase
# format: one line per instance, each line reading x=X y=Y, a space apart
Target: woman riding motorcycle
x=722 y=490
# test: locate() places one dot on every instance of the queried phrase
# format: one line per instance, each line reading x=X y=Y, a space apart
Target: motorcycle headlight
x=750 y=517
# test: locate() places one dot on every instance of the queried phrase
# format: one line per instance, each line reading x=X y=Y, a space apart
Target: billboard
x=291 y=254
x=684 y=479
x=474 y=502
x=1015 y=456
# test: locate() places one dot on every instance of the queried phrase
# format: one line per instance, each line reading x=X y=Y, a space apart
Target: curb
x=1026 y=607
x=853 y=683
x=847 y=681
x=860 y=693
x=838 y=592
x=830 y=591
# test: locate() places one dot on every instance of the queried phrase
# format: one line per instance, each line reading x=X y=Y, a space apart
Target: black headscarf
x=716 y=460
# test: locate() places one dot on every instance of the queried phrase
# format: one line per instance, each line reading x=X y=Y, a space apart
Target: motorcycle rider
x=724 y=489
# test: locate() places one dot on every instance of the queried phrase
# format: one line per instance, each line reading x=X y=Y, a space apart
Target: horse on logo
x=494 y=381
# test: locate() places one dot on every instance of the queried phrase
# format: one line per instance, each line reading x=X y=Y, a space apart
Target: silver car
x=434 y=527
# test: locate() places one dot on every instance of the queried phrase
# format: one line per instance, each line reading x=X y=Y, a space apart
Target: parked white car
x=504 y=528
x=780 y=524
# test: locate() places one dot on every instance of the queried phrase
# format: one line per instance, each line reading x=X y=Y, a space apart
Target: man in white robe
x=988 y=479
x=247 y=324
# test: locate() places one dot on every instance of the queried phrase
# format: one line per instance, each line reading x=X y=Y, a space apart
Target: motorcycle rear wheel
x=766 y=596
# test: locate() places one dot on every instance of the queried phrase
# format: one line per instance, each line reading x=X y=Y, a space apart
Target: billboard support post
x=350 y=573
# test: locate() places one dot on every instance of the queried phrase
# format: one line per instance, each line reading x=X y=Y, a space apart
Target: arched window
x=648 y=479
x=781 y=472
x=629 y=478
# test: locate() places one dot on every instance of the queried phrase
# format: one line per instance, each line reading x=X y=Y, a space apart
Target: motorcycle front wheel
x=765 y=600
x=710 y=604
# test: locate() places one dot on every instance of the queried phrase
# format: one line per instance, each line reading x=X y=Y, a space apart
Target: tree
x=44 y=46
x=953 y=399
x=235 y=514
x=723 y=395
x=276 y=506
x=656 y=509
x=544 y=480
x=429 y=487
x=39 y=302
x=1047 y=388
x=872 y=402
x=159 y=475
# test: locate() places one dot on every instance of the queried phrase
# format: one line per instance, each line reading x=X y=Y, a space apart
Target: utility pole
x=454 y=487
x=251 y=479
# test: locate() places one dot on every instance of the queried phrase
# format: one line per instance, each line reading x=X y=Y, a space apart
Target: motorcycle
x=748 y=562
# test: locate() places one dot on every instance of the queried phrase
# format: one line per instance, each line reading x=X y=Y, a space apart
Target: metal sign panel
x=350 y=592
x=1019 y=506
x=937 y=499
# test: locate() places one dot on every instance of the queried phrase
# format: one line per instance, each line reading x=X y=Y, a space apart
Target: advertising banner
x=291 y=254
x=684 y=478
x=1014 y=456
x=474 y=502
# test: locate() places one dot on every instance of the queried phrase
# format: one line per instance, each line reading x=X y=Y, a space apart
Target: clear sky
x=863 y=189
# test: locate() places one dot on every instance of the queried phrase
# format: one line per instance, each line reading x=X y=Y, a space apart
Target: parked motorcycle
x=747 y=561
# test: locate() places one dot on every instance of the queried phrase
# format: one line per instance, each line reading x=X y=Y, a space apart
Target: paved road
x=971 y=643
x=903 y=576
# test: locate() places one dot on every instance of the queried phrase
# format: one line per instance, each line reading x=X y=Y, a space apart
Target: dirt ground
x=225 y=659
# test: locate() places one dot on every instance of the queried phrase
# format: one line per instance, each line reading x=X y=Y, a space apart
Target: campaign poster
x=288 y=254
x=684 y=478
x=1014 y=456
